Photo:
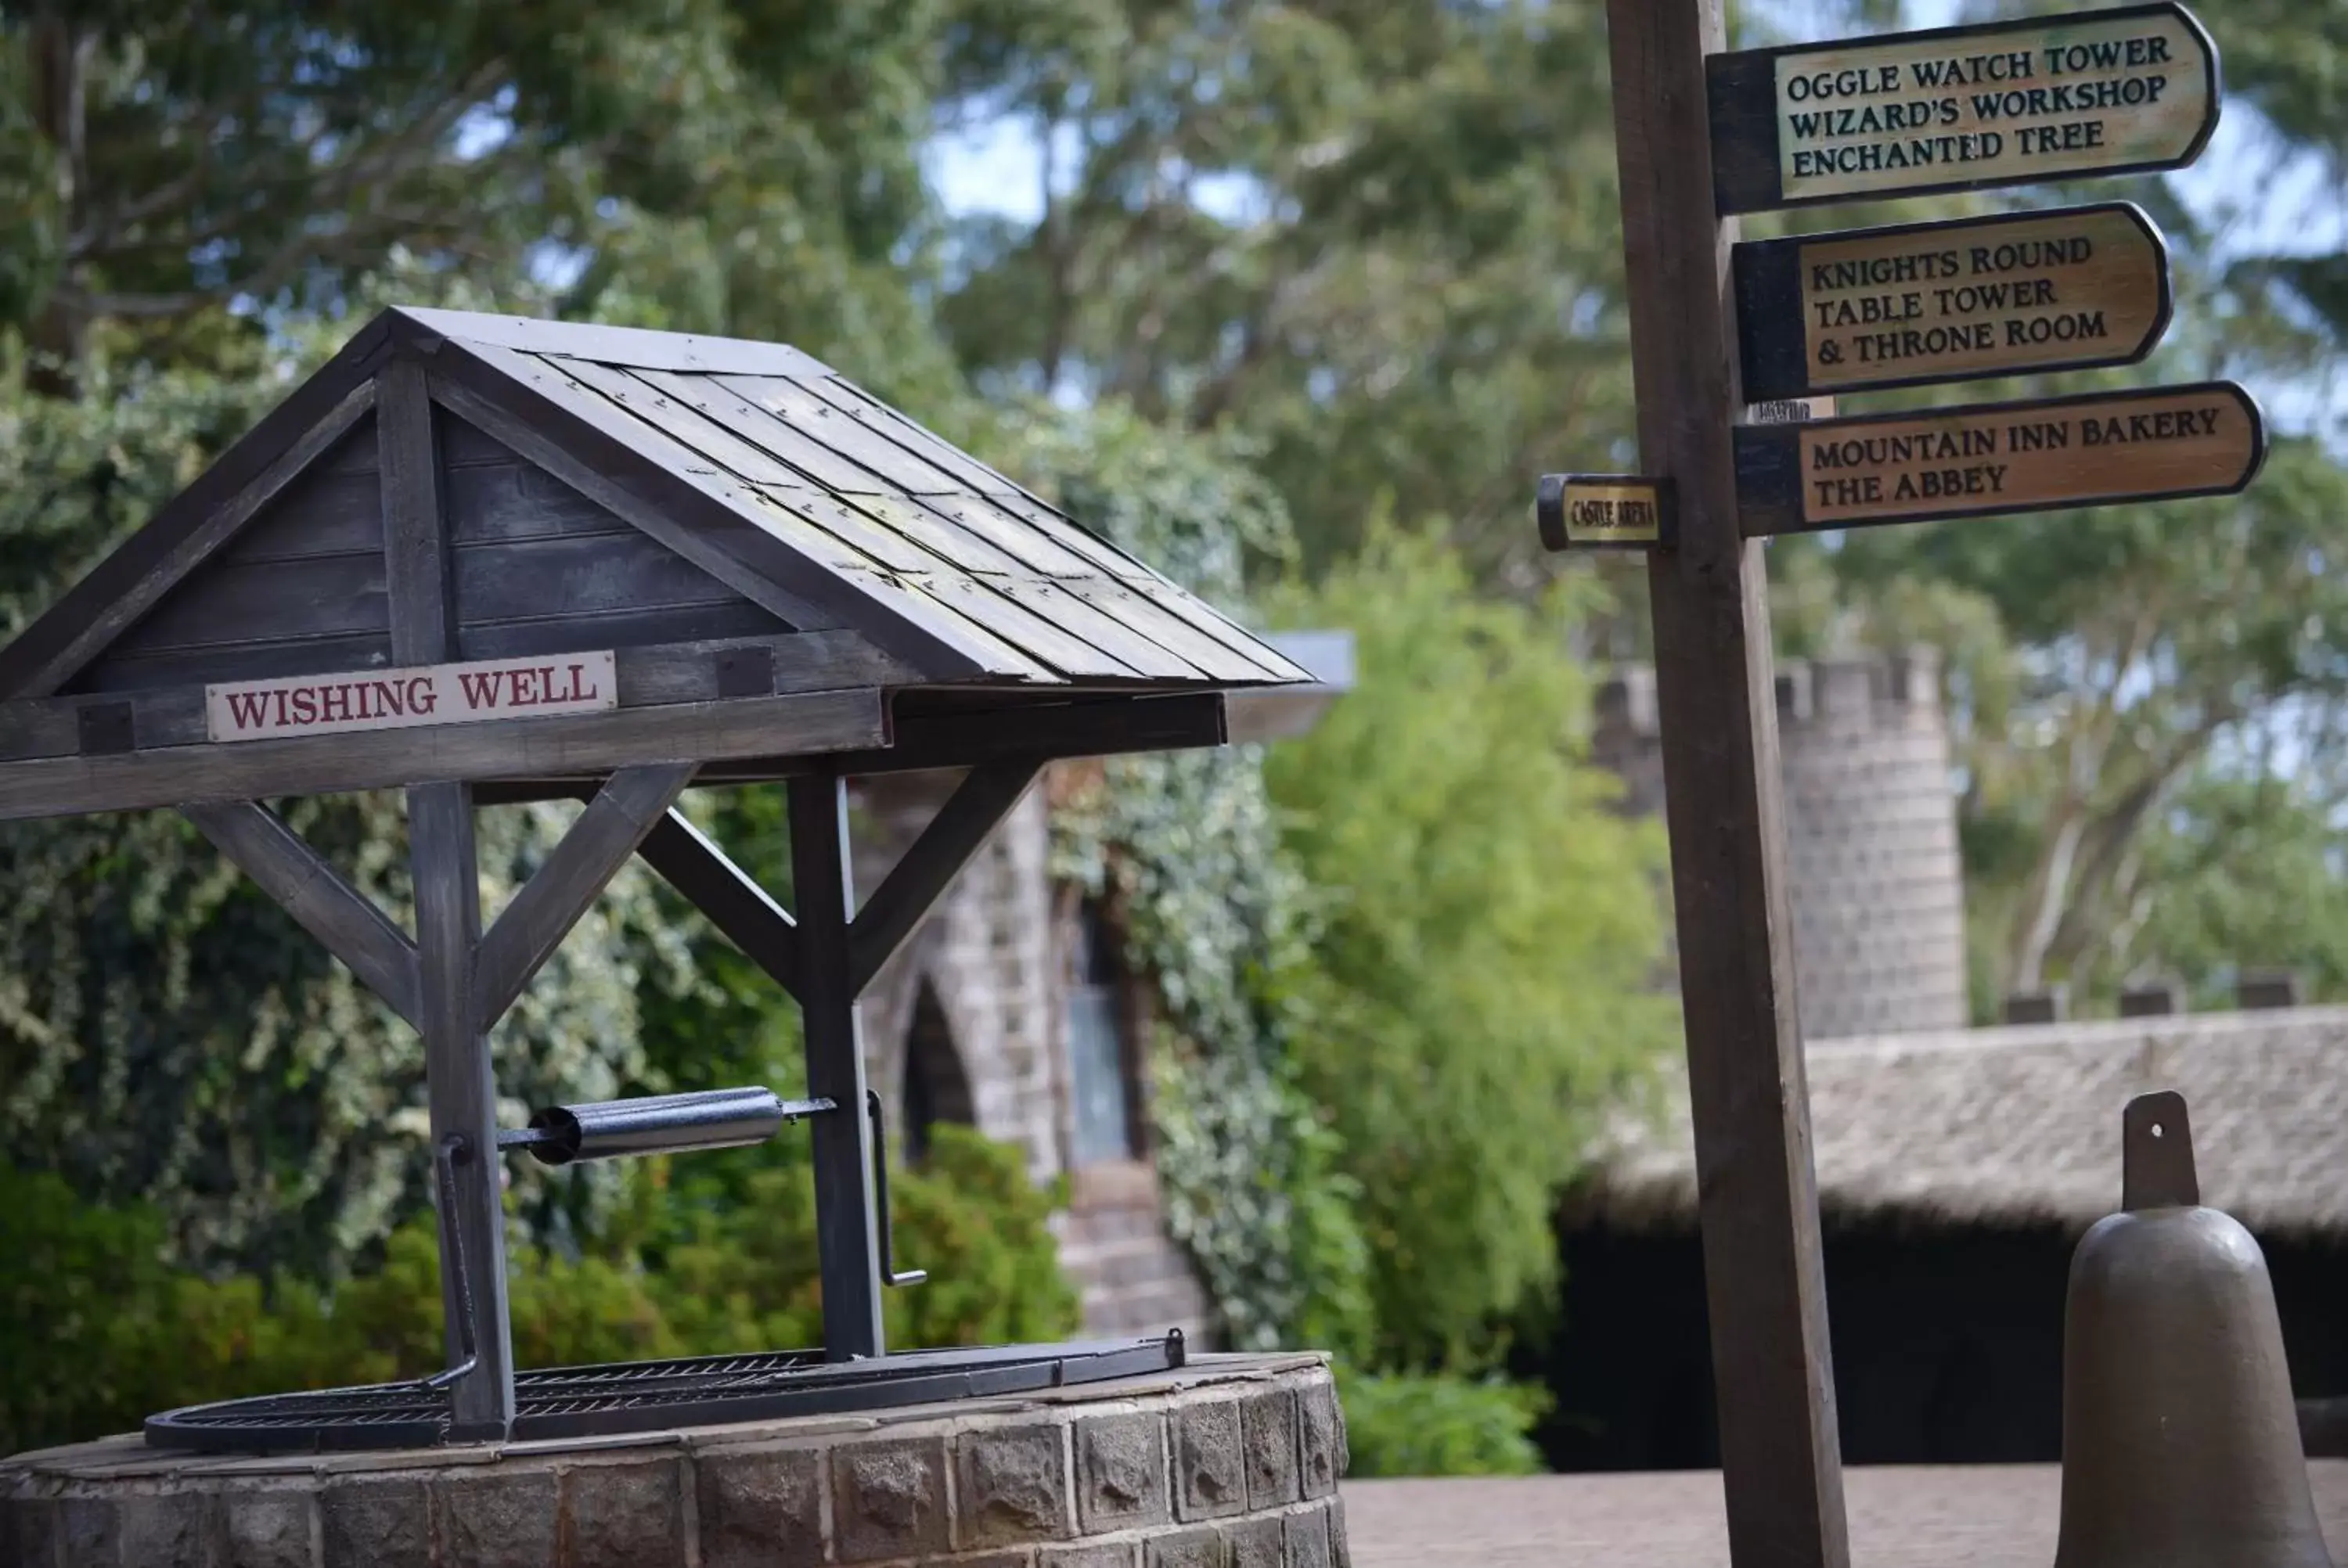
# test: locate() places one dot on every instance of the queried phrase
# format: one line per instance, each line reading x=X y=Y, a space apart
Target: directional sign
x=2158 y=444
x=1961 y=109
x=1788 y=409
x=1947 y=302
x=1604 y=511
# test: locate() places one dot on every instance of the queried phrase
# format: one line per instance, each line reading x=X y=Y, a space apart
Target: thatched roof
x=2020 y=1126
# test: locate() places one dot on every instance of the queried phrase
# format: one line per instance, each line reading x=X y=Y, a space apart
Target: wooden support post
x=1764 y=1278
x=306 y=886
x=461 y=1093
x=542 y=913
x=823 y=889
x=981 y=800
x=460 y=1089
x=735 y=903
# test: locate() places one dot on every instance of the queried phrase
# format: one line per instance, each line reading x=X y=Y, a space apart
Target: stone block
x=760 y=1507
x=1255 y=1543
x=377 y=1524
x=625 y=1516
x=1121 y=1472
x=1319 y=1438
x=1012 y=1486
x=92 y=1529
x=164 y=1529
x=504 y=1519
x=30 y=1528
x=1268 y=1433
x=1120 y=1555
x=1308 y=1540
x=1204 y=1547
x=267 y=1528
x=1341 y=1555
x=889 y=1499
x=1025 y=1559
x=1210 y=1480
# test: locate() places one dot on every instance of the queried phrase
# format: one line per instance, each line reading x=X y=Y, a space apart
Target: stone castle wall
x=1872 y=833
x=1233 y=1462
x=993 y=955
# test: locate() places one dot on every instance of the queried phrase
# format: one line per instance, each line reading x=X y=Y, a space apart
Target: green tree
x=742 y=163
x=1490 y=940
x=1379 y=235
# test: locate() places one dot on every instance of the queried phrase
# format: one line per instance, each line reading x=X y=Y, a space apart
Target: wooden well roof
x=735 y=523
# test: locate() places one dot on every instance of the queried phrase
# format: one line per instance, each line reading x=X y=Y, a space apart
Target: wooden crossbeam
x=982 y=799
x=588 y=744
x=306 y=886
x=687 y=861
x=542 y=913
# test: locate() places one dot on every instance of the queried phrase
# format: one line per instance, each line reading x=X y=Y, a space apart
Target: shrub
x=97 y=1332
x=1407 y=1424
x=1489 y=931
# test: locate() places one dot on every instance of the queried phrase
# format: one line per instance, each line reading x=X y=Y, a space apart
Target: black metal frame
x=656 y=1395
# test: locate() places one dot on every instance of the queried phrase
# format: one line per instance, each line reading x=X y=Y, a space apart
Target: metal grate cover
x=652 y=1396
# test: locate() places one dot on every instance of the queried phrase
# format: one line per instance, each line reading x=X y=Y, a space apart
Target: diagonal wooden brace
x=733 y=902
x=341 y=917
x=982 y=799
x=541 y=914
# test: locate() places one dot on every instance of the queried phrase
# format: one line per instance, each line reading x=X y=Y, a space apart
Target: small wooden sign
x=1961 y=109
x=412 y=698
x=1788 y=409
x=2160 y=444
x=1949 y=302
x=1604 y=511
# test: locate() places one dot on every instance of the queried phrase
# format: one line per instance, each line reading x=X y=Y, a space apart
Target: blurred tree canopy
x=1490 y=935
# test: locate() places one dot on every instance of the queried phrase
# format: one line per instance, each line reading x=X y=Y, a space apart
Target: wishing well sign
x=2104 y=447
x=1956 y=108
x=413 y=698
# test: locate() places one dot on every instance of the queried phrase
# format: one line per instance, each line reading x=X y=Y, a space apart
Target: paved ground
x=1902 y=1518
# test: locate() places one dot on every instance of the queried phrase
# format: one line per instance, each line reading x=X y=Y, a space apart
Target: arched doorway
x=936 y=1088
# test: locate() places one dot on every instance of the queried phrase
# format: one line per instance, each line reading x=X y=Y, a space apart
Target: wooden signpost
x=1777 y=331
x=1604 y=511
x=1942 y=302
x=1962 y=109
x=2160 y=444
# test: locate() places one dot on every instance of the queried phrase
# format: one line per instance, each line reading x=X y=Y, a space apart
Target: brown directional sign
x=2158 y=444
x=1961 y=109
x=1604 y=511
x=1947 y=302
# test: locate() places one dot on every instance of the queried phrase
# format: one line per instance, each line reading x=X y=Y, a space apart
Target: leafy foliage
x=1489 y=933
x=1407 y=1424
x=1212 y=910
x=1376 y=234
x=98 y=1331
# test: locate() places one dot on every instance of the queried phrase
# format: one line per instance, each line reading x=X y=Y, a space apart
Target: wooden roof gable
x=658 y=548
x=616 y=485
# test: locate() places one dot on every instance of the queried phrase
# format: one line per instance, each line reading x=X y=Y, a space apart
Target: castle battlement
x=1898 y=692
x=1872 y=833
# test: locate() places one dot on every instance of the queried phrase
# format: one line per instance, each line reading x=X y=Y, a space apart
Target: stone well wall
x=1231 y=1462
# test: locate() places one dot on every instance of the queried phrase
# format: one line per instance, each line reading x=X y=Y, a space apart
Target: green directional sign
x=1961 y=109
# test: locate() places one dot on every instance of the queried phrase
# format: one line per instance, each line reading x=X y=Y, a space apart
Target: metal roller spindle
x=657 y=1124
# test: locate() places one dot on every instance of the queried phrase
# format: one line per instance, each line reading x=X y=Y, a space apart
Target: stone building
x=1009 y=1011
x=1878 y=891
x=1956 y=1171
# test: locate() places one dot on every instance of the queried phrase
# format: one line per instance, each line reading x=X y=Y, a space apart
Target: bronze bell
x=2180 y=1443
